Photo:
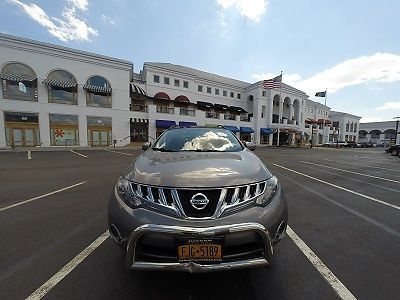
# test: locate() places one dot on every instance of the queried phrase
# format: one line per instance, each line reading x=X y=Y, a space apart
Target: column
x=83 y=132
x=280 y=110
x=368 y=137
x=44 y=129
x=382 y=138
x=271 y=138
x=291 y=112
x=152 y=122
x=2 y=130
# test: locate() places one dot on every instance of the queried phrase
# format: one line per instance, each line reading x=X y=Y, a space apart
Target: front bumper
x=204 y=232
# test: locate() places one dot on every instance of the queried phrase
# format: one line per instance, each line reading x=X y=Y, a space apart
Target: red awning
x=162 y=95
x=310 y=121
x=182 y=98
x=321 y=121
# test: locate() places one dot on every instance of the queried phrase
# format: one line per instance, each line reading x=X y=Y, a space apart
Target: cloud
x=252 y=9
x=390 y=106
x=379 y=67
x=67 y=28
x=108 y=20
x=80 y=4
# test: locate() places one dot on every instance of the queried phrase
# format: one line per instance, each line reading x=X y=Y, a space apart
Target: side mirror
x=146 y=146
x=250 y=145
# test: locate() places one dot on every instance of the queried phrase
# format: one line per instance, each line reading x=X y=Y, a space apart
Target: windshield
x=198 y=139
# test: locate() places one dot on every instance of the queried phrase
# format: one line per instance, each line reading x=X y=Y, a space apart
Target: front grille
x=208 y=211
x=179 y=200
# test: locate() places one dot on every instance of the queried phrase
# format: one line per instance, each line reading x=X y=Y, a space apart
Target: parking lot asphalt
x=344 y=205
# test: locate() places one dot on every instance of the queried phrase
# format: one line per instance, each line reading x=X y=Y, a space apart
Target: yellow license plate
x=200 y=250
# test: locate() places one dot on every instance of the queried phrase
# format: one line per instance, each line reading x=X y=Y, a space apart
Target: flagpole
x=280 y=100
x=323 y=127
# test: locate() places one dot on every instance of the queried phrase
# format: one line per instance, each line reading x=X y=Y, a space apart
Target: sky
x=351 y=48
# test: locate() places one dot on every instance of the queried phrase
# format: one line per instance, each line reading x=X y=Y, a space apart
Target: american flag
x=272 y=83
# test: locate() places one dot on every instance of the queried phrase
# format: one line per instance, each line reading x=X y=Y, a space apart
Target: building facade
x=381 y=133
x=56 y=96
x=346 y=126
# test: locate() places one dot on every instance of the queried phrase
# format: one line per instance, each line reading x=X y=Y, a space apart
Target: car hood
x=197 y=169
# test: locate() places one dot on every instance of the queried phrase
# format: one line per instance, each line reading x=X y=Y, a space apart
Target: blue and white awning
x=246 y=130
x=266 y=131
x=234 y=129
x=187 y=124
x=165 y=123
x=17 y=77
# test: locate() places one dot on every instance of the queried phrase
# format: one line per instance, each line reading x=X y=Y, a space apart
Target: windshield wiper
x=163 y=150
x=203 y=150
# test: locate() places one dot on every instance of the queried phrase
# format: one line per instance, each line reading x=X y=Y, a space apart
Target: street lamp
x=397 y=128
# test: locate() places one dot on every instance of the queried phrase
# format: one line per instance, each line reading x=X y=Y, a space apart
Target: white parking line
x=347 y=171
x=118 y=152
x=42 y=196
x=333 y=281
x=68 y=268
x=85 y=156
x=369 y=166
x=340 y=187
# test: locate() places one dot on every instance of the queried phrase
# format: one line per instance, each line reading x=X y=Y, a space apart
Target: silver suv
x=197 y=200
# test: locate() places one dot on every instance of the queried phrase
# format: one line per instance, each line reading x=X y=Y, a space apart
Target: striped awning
x=97 y=89
x=137 y=90
x=17 y=77
x=60 y=84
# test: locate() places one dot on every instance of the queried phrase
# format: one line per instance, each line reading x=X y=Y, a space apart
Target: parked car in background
x=341 y=144
x=352 y=144
x=393 y=149
x=367 y=145
x=330 y=144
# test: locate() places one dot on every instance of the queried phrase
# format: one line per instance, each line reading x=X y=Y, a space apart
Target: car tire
x=395 y=152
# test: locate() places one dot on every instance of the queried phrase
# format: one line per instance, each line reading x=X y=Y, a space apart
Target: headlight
x=125 y=192
x=269 y=192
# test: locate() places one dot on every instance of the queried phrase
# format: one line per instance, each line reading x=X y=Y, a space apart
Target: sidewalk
x=62 y=148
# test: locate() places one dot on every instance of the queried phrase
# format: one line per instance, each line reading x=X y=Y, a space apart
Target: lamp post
x=397 y=128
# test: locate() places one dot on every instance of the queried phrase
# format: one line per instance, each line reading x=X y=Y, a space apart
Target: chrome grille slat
x=247 y=193
x=235 y=197
x=161 y=196
x=150 y=194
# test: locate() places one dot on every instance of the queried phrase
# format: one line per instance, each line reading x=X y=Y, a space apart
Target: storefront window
x=98 y=92
x=64 y=130
x=99 y=131
x=22 y=129
x=62 y=87
x=19 y=82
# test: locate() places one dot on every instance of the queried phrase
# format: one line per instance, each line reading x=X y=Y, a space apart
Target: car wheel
x=395 y=152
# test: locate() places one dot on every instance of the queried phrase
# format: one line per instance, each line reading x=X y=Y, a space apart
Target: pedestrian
x=310 y=143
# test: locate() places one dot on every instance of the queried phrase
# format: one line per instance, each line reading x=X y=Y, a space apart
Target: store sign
x=62 y=135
